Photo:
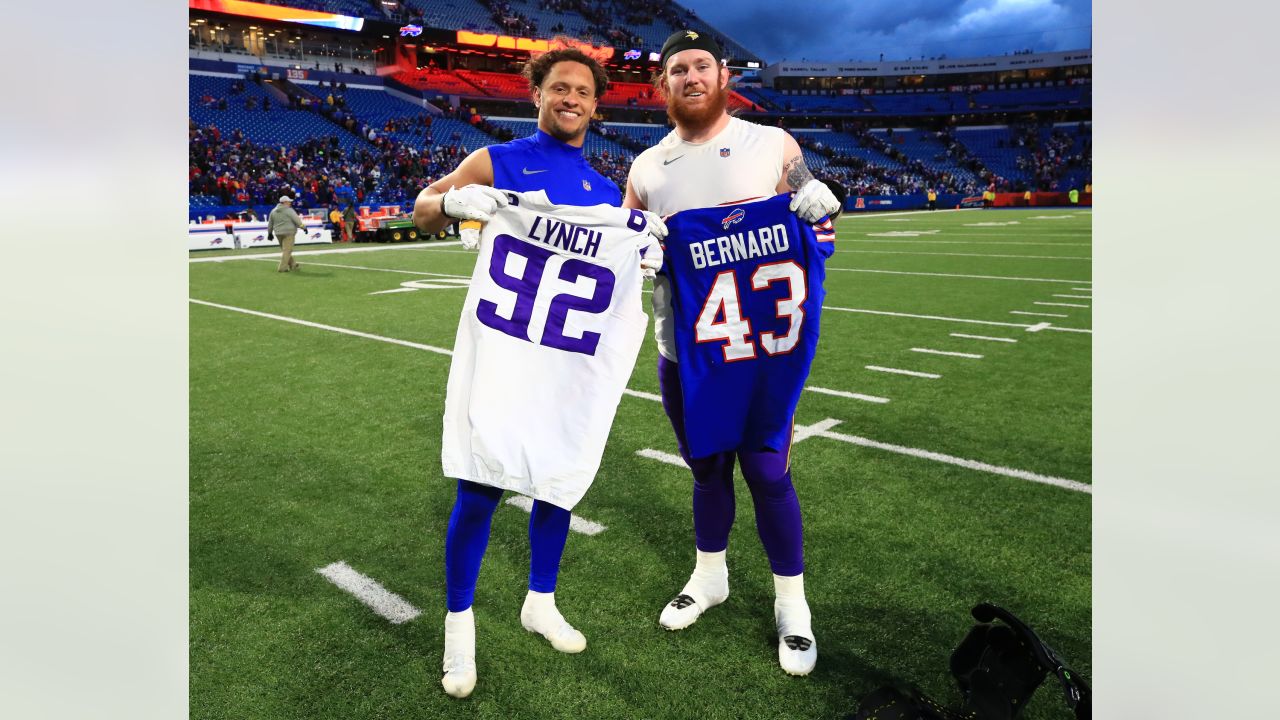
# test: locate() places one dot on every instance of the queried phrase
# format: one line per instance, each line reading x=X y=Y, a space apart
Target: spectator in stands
x=565 y=85
x=284 y=223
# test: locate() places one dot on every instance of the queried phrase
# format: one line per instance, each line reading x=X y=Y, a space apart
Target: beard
x=699 y=118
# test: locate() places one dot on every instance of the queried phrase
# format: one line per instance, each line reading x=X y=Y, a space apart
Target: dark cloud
x=862 y=29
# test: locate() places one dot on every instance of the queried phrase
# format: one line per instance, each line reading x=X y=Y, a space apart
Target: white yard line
x=576 y=524
x=955 y=275
x=665 y=457
x=850 y=395
x=1049 y=304
x=1074 y=297
x=1088 y=289
x=804 y=432
x=823 y=429
x=984 y=337
x=897 y=371
x=320 y=326
x=948 y=319
x=947 y=353
x=368 y=591
x=675 y=459
x=1036 y=314
x=299 y=252
x=1040 y=326
x=390 y=270
x=962 y=462
x=909 y=252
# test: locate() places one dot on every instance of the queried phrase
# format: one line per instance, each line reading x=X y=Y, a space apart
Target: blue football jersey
x=746 y=284
x=541 y=162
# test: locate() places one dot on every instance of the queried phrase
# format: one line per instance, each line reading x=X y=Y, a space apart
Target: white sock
x=791 y=610
x=459 y=633
x=789 y=586
x=540 y=609
x=711 y=570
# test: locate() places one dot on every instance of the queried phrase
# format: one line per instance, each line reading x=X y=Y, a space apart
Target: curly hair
x=539 y=66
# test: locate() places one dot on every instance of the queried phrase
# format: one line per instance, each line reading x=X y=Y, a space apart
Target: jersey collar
x=549 y=143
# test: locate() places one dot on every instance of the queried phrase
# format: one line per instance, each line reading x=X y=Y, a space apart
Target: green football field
x=316 y=400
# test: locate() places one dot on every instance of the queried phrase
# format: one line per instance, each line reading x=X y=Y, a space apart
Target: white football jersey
x=742 y=162
x=547 y=341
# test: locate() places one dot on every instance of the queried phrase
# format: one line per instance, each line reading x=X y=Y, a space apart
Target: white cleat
x=459 y=675
x=545 y=620
x=459 y=654
x=693 y=600
x=797 y=648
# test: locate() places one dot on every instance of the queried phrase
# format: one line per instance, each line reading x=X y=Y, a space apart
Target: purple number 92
x=525 y=287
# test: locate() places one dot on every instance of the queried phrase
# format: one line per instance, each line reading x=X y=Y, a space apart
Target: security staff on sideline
x=284 y=223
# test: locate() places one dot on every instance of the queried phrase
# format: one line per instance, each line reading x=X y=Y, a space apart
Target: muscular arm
x=428 y=213
x=631 y=199
x=794 y=172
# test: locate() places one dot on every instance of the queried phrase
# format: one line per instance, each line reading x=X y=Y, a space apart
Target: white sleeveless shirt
x=743 y=161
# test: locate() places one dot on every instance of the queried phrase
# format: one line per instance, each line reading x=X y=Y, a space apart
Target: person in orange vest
x=1026 y=197
x=933 y=199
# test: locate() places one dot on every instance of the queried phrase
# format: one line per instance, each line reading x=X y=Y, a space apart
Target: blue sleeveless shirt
x=541 y=162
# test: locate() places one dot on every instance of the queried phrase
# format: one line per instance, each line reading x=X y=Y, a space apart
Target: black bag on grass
x=998 y=668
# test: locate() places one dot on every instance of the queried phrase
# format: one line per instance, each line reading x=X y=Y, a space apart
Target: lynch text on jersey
x=739 y=246
x=574 y=238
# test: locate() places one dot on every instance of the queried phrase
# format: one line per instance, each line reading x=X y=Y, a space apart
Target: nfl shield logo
x=586 y=186
x=724 y=152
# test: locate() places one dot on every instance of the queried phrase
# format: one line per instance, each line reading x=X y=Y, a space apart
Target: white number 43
x=734 y=330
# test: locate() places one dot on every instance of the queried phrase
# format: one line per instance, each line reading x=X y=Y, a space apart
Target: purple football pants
x=768 y=477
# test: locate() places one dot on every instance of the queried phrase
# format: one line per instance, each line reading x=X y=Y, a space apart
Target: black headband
x=690 y=40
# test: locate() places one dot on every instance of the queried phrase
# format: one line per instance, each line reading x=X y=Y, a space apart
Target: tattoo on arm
x=796 y=172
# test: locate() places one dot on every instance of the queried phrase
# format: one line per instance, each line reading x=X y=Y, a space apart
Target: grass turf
x=309 y=447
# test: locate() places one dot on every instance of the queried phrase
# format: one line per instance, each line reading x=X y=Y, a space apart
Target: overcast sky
x=863 y=29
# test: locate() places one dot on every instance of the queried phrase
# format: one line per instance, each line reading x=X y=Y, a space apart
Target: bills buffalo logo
x=216 y=241
x=631 y=55
x=724 y=152
x=259 y=238
x=586 y=186
x=411 y=31
x=733 y=217
x=315 y=236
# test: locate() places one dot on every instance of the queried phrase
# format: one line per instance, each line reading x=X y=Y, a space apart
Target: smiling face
x=566 y=101
x=695 y=85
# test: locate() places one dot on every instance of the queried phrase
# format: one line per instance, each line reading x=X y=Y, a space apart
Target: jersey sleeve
x=825 y=231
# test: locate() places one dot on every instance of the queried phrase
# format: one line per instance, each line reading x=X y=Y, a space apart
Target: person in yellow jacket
x=933 y=199
x=1026 y=197
x=284 y=223
x=335 y=219
x=1074 y=195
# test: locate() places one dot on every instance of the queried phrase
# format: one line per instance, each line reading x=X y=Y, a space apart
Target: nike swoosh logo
x=527 y=171
x=668 y=162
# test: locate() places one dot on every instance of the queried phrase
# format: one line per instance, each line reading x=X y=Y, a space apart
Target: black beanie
x=690 y=40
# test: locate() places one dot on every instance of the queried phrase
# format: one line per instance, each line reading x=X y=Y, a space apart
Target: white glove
x=469 y=234
x=473 y=202
x=651 y=260
x=814 y=201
